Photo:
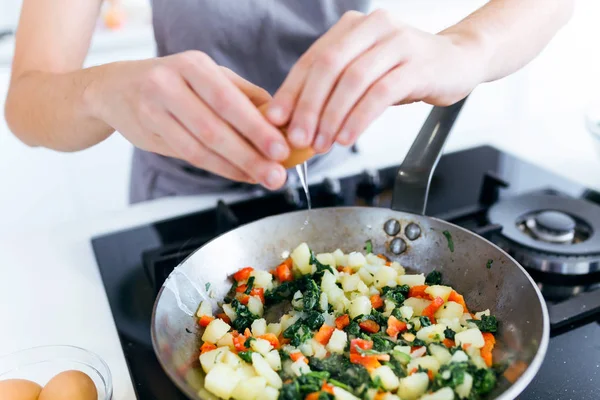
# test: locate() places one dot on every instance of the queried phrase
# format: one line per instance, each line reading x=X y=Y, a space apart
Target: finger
x=394 y=87
x=285 y=98
x=355 y=81
x=233 y=106
x=257 y=95
x=327 y=69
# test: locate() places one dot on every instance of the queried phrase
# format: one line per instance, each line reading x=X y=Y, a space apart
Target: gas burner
x=550 y=232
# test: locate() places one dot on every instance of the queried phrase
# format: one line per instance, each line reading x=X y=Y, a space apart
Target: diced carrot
x=313 y=396
x=258 y=292
x=243 y=274
x=205 y=320
x=271 y=338
x=376 y=301
x=515 y=370
x=430 y=310
x=224 y=317
x=395 y=326
x=488 y=346
x=369 y=326
x=415 y=348
x=419 y=291
x=449 y=343
x=383 y=257
x=283 y=272
x=239 y=342
x=369 y=362
x=241 y=288
x=247 y=333
x=388 y=263
x=295 y=356
x=458 y=298
x=342 y=321
x=244 y=299
x=412 y=371
x=466 y=346
x=327 y=388
x=360 y=343
x=324 y=334
x=206 y=346
x=430 y=374
x=380 y=395
x=346 y=270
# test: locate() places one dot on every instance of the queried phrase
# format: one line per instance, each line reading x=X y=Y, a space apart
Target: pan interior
x=484 y=274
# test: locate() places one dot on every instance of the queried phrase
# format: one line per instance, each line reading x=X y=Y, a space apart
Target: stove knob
x=369 y=185
x=332 y=186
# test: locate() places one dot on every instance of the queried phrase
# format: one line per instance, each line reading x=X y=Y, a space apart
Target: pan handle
x=414 y=175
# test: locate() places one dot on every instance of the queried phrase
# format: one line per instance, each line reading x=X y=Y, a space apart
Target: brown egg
x=19 y=389
x=297 y=156
x=70 y=385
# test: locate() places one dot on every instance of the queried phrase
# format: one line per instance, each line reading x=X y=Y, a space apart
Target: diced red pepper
x=243 y=274
x=224 y=317
x=369 y=362
x=283 y=272
x=430 y=374
x=395 y=326
x=244 y=299
x=360 y=343
x=342 y=321
x=430 y=310
x=258 y=292
x=205 y=320
x=376 y=301
x=369 y=326
x=327 y=388
x=312 y=396
x=295 y=356
x=458 y=298
x=486 y=350
x=324 y=334
x=419 y=291
x=271 y=338
x=239 y=342
x=206 y=346
x=449 y=343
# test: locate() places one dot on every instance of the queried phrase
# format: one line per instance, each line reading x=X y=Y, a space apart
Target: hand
x=362 y=65
x=186 y=106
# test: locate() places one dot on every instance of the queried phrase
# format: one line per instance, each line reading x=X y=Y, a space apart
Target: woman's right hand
x=188 y=107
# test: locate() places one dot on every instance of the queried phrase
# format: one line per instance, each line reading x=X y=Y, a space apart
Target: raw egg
x=297 y=156
x=19 y=389
x=70 y=385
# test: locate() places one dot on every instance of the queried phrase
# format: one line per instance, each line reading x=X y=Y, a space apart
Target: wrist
x=475 y=48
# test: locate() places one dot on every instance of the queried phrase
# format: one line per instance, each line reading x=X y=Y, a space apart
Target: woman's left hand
x=364 y=64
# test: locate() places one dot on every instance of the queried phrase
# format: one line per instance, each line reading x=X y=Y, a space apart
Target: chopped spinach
x=397 y=314
x=283 y=292
x=396 y=366
x=448 y=236
x=396 y=294
x=489 y=263
x=310 y=295
x=244 y=317
x=486 y=324
x=484 y=380
x=378 y=317
x=456 y=376
x=316 y=263
x=325 y=396
x=314 y=320
x=369 y=246
x=298 y=333
x=290 y=391
x=207 y=286
x=434 y=278
x=377 y=384
x=382 y=343
x=449 y=333
x=249 y=341
x=246 y=355
x=353 y=329
x=418 y=343
x=311 y=382
x=425 y=321
x=341 y=370
x=249 y=285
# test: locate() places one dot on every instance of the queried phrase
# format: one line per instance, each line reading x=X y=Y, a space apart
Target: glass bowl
x=40 y=364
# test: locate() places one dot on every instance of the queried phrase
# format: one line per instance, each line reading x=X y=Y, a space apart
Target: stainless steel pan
x=404 y=234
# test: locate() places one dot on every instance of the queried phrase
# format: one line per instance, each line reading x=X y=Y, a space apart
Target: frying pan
x=487 y=276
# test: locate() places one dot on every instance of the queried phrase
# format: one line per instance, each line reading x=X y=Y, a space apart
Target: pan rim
x=510 y=394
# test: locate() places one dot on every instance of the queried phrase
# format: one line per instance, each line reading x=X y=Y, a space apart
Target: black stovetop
x=134 y=262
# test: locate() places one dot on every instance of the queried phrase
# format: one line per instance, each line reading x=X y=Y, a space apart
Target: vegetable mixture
x=356 y=327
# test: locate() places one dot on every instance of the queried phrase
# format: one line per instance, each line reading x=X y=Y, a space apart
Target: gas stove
x=549 y=224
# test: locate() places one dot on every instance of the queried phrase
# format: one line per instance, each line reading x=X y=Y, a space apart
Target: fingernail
x=320 y=143
x=275 y=113
x=297 y=136
x=274 y=178
x=278 y=151
x=344 y=137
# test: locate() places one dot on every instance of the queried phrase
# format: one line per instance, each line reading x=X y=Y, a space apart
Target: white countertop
x=50 y=287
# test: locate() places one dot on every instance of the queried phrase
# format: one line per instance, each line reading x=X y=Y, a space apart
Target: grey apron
x=258 y=39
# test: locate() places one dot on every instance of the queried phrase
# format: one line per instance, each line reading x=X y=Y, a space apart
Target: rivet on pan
x=398 y=246
x=412 y=231
x=391 y=227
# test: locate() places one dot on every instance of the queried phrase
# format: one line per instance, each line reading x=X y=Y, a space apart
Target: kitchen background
x=537 y=114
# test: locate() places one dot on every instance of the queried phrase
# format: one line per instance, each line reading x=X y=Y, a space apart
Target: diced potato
x=440 y=353
x=255 y=306
x=373 y=259
x=226 y=341
x=459 y=356
x=356 y=260
x=386 y=276
x=338 y=341
x=258 y=327
x=270 y=394
x=221 y=381
x=288 y=320
x=366 y=276
x=262 y=346
x=479 y=314
x=274 y=328
x=215 y=331
x=250 y=389
x=328 y=281
x=403 y=349
x=428 y=362
x=230 y=312
x=297 y=302
x=411 y=280
x=323 y=302
x=409 y=337
x=211 y=358
x=301 y=258
x=439 y=291
x=359 y=306
x=464 y=318
x=299 y=367
x=306 y=349
x=262 y=279
x=417 y=304
x=341 y=259
x=372 y=269
x=274 y=360
x=319 y=350
x=399 y=268
x=449 y=310
x=262 y=368
x=350 y=282
x=432 y=333
x=415 y=322
x=233 y=360
x=373 y=291
x=474 y=354
x=341 y=394
x=389 y=380
x=452 y=323
x=362 y=288
x=389 y=396
x=245 y=371
x=471 y=336
x=341 y=305
x=442 y=394
x=464 y=389
x=389 y=307
x=326 y=259
x=406 y=312
x=204 y=309
x=413 y=386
